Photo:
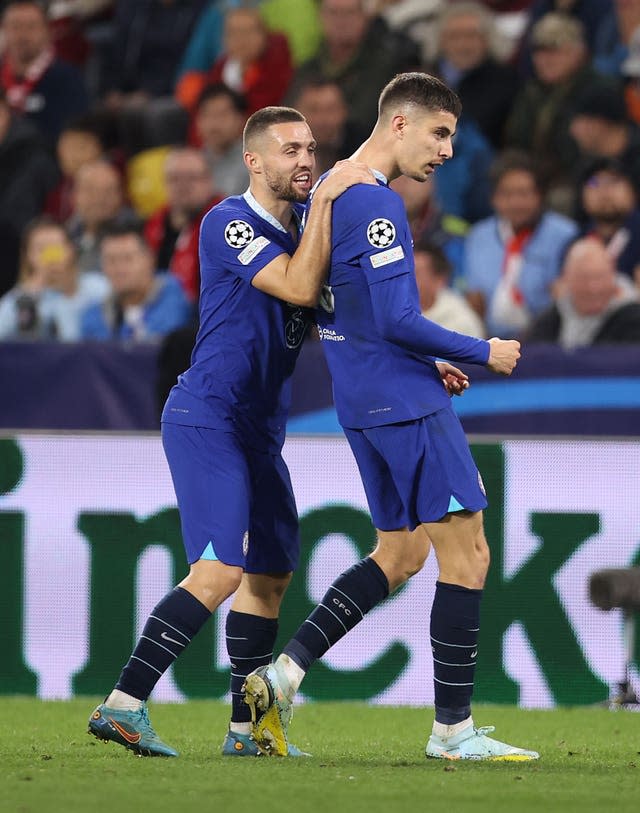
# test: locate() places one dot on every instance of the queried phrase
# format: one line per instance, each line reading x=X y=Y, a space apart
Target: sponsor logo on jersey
x=381 y=232
x=252 y=250
x=327 y=334
x=386 y=257
x=238 y=233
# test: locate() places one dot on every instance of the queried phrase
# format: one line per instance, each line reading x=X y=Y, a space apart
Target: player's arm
x=399 y=322
x=298 y=279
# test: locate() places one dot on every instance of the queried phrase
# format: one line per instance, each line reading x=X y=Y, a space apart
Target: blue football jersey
x=248 y=341
x=381 y=375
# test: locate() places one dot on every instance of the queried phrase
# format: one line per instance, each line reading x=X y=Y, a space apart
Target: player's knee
x=221 y=582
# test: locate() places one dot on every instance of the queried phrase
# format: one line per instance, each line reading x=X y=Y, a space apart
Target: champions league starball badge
x=238 y=234
x=381 y=232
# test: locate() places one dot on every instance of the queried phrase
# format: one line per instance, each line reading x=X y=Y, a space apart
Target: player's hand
x=503 y=355
x=454 y=380
x=343 y=175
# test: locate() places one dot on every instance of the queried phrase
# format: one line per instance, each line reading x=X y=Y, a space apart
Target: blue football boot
x=129 y=728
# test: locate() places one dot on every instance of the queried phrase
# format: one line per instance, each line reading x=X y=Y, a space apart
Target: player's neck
x=377 y=155
x=280 y=209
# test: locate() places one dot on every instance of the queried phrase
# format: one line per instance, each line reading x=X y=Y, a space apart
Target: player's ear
x=252 y=162
x=398 y=125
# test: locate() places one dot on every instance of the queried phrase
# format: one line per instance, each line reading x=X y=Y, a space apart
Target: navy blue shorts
x=236 y=504
x=417 y=471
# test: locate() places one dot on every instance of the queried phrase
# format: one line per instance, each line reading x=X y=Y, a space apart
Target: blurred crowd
x=121 y=125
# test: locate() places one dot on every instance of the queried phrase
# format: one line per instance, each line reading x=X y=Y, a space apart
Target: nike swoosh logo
x=474 y=653
x=173 y=640
x=131 y=738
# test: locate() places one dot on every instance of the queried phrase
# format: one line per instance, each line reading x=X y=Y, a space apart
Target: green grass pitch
x=365 y=759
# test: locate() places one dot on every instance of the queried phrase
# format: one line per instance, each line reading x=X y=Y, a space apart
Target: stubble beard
x=283 y=189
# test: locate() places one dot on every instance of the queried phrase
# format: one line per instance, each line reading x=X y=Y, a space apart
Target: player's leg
x=211 y=486
x=398 y=555
x=463 y=559
x=273 y=548
x=251 y=630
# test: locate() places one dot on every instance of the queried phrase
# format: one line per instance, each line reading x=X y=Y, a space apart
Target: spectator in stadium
x=296 y=19
x=255 y=63
x=438 y=301
x=428 y=223
x=614 y=39
x=462 y=186
x=220 y=116
x=52 y=292
x=172 y=232
x=596 y=305
x=595 y=16
x=631 y=72
x=360 y=53
x=466 y=61
x=418 y=19
x=37 y=84
x=542 y=111
x=321 y=101
x=610 y=205
x=149 y=40
x=513 y=258
x=144 y=305
x=98 y=199
x=27 y=174
x=79 y=143
x=602 y=129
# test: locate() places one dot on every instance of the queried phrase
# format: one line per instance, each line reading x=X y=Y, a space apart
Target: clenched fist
x=503 y=355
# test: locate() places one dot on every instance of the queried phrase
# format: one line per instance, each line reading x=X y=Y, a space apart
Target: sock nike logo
x=128 y=736
x=474 y=653
x=173 y=640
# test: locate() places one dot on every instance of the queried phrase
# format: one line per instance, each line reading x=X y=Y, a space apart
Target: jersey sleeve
x=236 y=241
x=380 y=234
x=399 y=322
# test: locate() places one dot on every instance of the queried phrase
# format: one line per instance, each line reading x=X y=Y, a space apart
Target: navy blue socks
x=169 y=629
x=455 y=621
x=345 y=604
x=250 y=640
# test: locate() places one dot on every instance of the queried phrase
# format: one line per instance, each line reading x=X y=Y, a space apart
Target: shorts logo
x=481 y=484
x=238 y=233
x=381 y=232
x=245 y=543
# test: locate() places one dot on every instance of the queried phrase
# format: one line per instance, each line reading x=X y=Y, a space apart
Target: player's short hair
x=262 y=119
x=420 y=90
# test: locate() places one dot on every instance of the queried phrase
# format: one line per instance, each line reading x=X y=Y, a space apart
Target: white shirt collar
x=262 y=212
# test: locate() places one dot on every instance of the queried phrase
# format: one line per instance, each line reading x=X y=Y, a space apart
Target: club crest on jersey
x=238 y=234
x=381 y=232
x=295 y=328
